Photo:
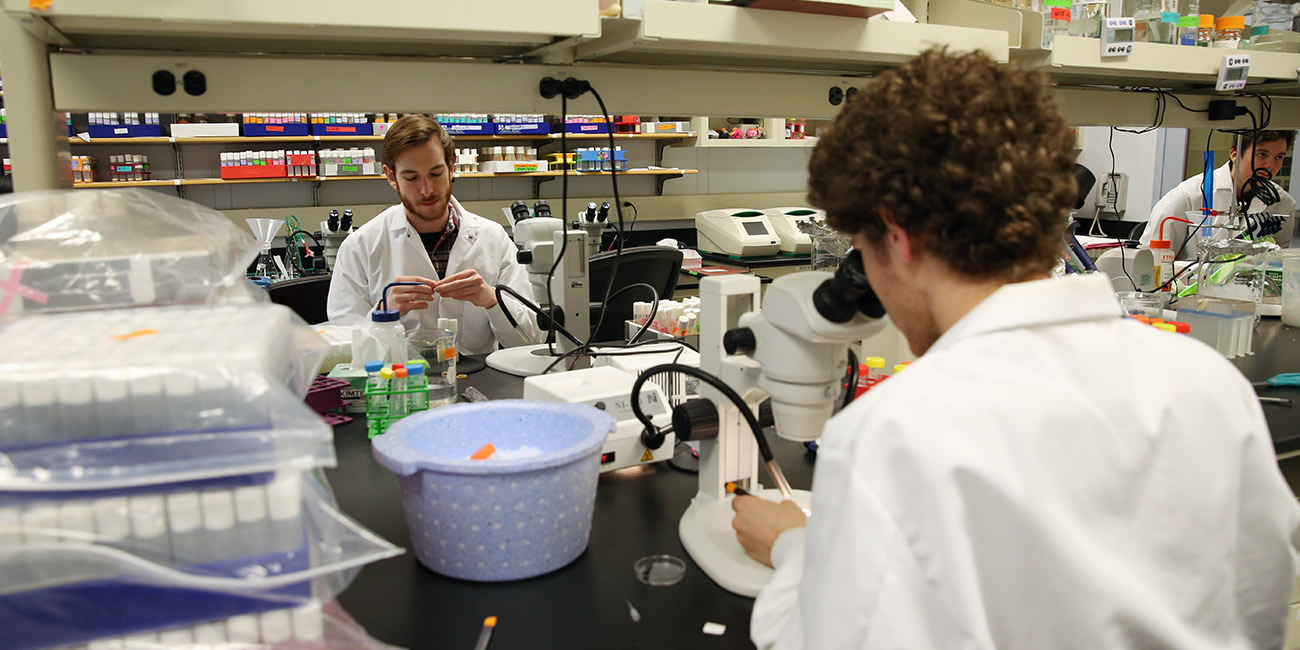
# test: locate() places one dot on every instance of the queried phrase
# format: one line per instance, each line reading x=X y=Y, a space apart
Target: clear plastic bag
x=115 y=374
x=92 y=249
x=131 y=561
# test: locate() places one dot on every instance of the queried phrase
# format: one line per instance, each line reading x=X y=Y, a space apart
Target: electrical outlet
x=1112 y=194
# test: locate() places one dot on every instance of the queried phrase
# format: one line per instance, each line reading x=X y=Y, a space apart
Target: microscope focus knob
x=696 y=419
x=739 y=341
x=524 y=257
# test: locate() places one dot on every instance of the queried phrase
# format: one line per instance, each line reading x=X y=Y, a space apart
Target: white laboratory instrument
x=1129 y=269
x=785 y=222
x=736 y=232
x=675 y=386
x=535 y=237
x=572 y=300
x=610 y=389
x=795 y=351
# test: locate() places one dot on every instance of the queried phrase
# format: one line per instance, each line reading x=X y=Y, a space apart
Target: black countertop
x=583 y=605
x=1277 y=350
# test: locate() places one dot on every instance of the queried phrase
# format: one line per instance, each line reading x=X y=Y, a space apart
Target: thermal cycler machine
x=785 y=221
x=736 y=232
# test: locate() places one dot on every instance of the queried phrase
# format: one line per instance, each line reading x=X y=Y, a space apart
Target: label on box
x=122 y=131
x=275 y=129
x=350 y=169
x=521 y=167
x=124 y=168
x=339 y=129
x=1061 y=13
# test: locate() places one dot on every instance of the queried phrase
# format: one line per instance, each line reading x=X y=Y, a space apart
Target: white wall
x=1136 y=155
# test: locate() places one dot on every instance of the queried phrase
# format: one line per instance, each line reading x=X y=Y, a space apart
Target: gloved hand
x=1263 y=225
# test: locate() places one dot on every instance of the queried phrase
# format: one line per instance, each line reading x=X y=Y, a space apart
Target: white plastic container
x=1291 y=291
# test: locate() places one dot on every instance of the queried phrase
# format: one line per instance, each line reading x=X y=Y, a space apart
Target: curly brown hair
x=972 y=158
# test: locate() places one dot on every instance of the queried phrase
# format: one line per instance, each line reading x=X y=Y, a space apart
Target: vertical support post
x=38 y=137
x=733 y=455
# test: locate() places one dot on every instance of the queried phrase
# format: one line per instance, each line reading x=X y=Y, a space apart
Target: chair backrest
x=657 y=266
x=305 y=296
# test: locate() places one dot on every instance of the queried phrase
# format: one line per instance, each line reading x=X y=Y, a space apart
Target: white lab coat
x=388 y=246
x=1048 y=475
x=1187 y=196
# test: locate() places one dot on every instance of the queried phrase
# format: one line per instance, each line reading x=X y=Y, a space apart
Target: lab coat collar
x=1037 y=303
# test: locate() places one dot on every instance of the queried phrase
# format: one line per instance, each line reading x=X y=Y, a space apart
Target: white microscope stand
x=569 y=287
x=705 y=528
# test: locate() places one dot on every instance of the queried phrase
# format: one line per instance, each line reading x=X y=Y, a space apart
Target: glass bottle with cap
x=875 y=367
x=1205 y=33
x=1227 y=33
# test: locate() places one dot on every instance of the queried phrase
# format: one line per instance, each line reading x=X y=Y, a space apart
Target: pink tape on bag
x=12 y=287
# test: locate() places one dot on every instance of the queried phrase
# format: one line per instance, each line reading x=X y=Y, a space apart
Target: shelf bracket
x=659 y=183
x=315 y=194
x=537 y=185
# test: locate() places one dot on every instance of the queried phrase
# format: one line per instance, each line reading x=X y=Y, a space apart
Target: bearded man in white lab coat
x=1032 y=481
x=1263 y=154
x=455 y=257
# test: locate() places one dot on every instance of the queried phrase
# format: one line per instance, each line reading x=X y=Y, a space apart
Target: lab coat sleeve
x=776 y=607
x=511 y=274
x=349 y=297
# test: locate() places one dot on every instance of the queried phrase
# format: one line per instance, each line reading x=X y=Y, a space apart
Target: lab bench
x=583 y=605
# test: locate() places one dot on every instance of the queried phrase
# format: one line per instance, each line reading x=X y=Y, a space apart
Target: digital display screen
x=1236 y=74
x=1123 y=35
x=755 y=228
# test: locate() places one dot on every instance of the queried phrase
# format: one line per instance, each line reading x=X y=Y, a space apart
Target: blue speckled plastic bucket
x=525 y=512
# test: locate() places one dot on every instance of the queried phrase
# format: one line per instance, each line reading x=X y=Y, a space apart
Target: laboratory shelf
x=1074 y=58
x=371 y=138
x=691 y=33
x=487 y=27
x=172 y=182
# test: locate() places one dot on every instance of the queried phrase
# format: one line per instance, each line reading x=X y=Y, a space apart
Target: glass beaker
x=1146 y=304
x=437 y=347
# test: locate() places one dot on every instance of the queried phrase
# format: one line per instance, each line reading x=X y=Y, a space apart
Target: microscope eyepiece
x=847 y=293
x=541 y=210
x=519 y=210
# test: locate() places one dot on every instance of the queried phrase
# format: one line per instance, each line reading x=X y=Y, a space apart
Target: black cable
x=579 y=351
x=853 y=380
x=1123 y=265
x=654 y=310
x=763 y=449
x=564 y=218
x=501 y=288
x=635 y=214
x=618 y=203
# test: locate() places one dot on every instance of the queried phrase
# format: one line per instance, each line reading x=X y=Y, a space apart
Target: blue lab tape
x=1169 y=17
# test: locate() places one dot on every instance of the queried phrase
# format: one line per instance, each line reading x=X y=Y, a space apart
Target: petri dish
x=659 y=570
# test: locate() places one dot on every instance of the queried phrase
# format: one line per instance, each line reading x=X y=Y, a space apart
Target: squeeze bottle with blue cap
x=386 y=327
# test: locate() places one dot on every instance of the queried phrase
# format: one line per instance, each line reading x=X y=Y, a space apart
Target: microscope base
x=522 y=361
x=707 y=534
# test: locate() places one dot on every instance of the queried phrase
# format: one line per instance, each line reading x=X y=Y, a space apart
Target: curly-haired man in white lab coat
x=455 y=257
x=1034 y=480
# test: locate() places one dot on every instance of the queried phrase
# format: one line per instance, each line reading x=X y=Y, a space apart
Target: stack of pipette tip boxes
x=156 y=486
x=1225 y=325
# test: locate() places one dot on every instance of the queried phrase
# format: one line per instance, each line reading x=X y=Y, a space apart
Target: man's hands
x=759 y=522
x=466 y=285
x=406 y=298
x=469 y=286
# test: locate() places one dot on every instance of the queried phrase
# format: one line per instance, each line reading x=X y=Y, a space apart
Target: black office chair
x=657 y=266
x=307 y=297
